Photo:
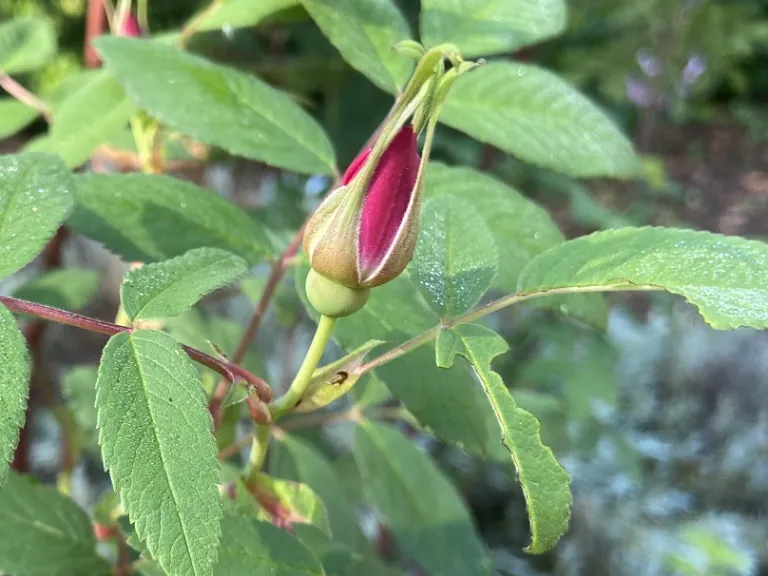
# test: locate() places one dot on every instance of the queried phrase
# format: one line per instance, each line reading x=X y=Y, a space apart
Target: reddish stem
x=227 y=369
x=94 y=27
x=276 y=274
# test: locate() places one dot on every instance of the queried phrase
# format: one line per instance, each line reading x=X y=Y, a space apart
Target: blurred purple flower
x=649 y=64
x=695 y=67
x=639 y=93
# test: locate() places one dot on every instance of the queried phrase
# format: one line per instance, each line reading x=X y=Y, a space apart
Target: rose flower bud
x=364 y=233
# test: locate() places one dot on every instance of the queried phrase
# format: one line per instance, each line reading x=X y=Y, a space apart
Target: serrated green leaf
x=222 y=107
x=396 y=312
x=172 y=287
x=456 y=259
x=289 y=502
x=35 y=198
x=43 y=533
x=79 y=389
x=26 y=44
x=294 y=459
x=70 y=288
x=332 y=381
x=364 y=32
x=725 y=277
x=538 y=117
x=152 y=217
x=545 y=484
x=14 y=388
x=15 y=116
x=156 y=437
x=90 y=115
x=484 y=27
x=418 y=503
x=252 y=547
x=242 y=13
x=521 y=229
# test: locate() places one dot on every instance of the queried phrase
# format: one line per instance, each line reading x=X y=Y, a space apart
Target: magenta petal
x=131 y=27
x=354 y=168
x=387 y=198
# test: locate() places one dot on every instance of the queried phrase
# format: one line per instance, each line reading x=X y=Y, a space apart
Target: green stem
x=258 y=451
x=287 y=401
x=491 y=307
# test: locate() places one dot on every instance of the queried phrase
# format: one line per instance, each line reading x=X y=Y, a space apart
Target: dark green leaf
x=242 y=13
x=172 y=287
x=70 y=288
x=14 y=389
x=26 y=44
x=545 y=484
x=520 y=227
x=296 y=460
x=156 y=437
x=456 y=259
x=540 y=118
x=418 y=503
x=364 y=31
x=337 y=558
x=725 y=277
x=152 y=217
x=259 y=549
x=483 y=27
x=43 y=533
x=222 y=107
x=35 y=198
x=15 y=116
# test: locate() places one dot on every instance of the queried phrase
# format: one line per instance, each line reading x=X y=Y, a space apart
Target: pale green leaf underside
x=456 y=259
x=260 y=549
x=295 y=459
x=172 y=287
x=89 y=116
x=152 y=217
x=242 y=13
x=222 y=107
x=14 y=388
x=418 y=503
x=332 y=381
x=26 y=44
x=69 y=288
x=35 y=198
x=538 y=117
x=521 y=230
x=545 y=484
x=299 y=502
x=364 y=32
x=14 y=116
x=484 y=27
x=725 y=277
x=79 y=389
x=156 y=437
x=395 y=312
x=43 y=533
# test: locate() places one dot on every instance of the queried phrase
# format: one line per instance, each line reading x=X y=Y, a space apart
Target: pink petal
x=387 y=198
x=354 y=168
